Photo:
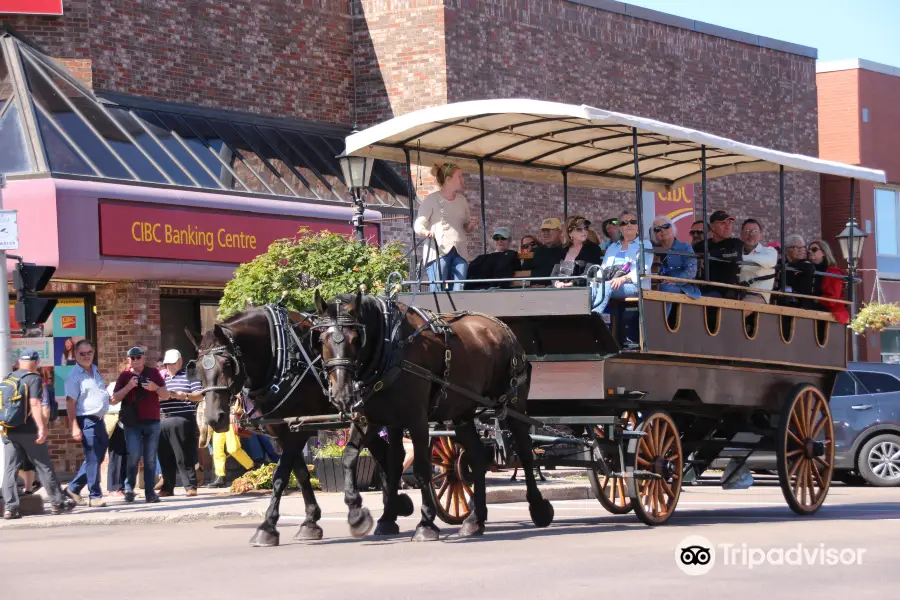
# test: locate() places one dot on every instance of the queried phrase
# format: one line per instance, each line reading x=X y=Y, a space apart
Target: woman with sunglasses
x=580 y=252
x=620 y=270
x=822 y=257
x=444 y=218
x=609 y=228
x=663 y=236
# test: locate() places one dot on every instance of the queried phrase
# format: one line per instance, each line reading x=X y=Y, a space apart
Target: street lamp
x=357 y=172
x=851 y=240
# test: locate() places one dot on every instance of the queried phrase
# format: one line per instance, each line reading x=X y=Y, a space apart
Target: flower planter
x=330 y=472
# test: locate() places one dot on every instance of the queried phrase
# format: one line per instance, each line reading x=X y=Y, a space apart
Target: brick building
x=209 y=83
x=859 y=123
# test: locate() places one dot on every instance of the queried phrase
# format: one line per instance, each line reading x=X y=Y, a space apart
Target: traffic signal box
x=29 y=279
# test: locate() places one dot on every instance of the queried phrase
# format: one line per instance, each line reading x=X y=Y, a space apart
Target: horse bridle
x=335 y=326
x=231 y=352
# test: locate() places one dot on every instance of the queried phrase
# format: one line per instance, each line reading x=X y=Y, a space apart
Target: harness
x=387 y=364
x=292 y=363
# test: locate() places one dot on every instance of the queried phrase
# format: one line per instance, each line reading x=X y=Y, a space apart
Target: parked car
x=865 y=410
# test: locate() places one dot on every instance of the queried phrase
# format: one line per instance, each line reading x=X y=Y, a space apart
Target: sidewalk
x=220 y=504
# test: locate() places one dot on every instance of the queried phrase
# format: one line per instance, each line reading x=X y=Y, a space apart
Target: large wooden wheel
x=451 y=482
x=610 y=491
x=805 y=449
x=659 y=452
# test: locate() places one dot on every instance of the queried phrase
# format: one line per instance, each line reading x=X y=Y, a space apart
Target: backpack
x=14 y=404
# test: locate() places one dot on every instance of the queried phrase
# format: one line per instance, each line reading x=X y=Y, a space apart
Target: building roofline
x=856 y=63
x=656 y=16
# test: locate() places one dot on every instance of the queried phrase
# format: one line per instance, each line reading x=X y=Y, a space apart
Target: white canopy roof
x=537 y=141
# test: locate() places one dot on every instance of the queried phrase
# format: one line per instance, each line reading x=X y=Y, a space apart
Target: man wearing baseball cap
x=30 y=438
x=549 y=254
x=499 y=264
x=178 y=428
x=728 y=250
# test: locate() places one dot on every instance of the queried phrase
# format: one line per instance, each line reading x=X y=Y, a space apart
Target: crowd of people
x=148 y=416
x=740 y=268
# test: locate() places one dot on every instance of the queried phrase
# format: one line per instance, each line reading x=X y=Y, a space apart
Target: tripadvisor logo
x=696 y=555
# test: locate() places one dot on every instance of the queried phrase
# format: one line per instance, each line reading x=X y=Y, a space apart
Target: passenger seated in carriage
x=548 y=254
x=580 y=252
x=502 y=263
x=800 y=274
x=821 y=256
x=728 y=250
x=663 y=236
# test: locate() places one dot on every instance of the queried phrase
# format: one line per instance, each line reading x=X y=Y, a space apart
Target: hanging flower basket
x=876 y=316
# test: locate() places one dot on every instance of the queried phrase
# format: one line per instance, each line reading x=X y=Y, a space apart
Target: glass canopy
x=64 y=128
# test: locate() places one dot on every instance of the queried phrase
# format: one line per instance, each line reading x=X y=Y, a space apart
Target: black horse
x=268 y=351
x=389 y=364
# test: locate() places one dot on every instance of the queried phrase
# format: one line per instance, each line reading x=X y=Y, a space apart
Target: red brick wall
x=127 y=315
x=880 y=137
x=839 y=116
x=279 y=57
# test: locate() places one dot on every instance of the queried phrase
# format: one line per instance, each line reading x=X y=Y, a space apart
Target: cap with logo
x=135 y=352
x=502 y=232
x=551 y=223
x=720 y=215
x=171 y=357
x=29 y=355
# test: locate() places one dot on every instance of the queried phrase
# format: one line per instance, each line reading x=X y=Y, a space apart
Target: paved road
x=585 y=552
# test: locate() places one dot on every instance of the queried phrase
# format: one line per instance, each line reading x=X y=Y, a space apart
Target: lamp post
x=851 y=240
x=357 y=172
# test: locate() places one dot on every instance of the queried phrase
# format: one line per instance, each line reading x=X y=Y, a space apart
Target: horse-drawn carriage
x=706 y=373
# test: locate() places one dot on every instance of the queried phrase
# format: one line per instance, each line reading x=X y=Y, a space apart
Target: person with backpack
x=24 y=430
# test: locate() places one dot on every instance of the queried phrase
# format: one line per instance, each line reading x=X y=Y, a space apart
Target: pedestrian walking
x=140 y=388
x=87 y=402
x=28 y=437
x=178 y=429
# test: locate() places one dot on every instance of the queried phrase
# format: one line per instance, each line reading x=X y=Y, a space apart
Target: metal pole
x=411 y=196
x=483 y=214
x=705 y=226
x=781 y=212
x=851 y=269
x=358 y=209
x=565 y=196
x=639 y=195
x=5 y=358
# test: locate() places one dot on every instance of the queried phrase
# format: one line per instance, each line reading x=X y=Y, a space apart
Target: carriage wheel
x=659 y=451
x=611 y=492
x=451 y=482
x=805 y=450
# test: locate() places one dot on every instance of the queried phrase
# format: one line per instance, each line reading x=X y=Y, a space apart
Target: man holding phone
x=140 y=388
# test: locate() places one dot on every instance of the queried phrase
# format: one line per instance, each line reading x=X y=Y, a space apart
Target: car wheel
x=879 y=460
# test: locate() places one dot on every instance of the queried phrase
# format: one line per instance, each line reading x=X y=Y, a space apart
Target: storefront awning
x=49 y=122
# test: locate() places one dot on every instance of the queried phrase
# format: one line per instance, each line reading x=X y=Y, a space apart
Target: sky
x=840 y=29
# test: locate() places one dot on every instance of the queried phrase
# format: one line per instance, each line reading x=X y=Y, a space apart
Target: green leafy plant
x=294 y=268
x=876 y=316
x=334 y=449
x=262 y=479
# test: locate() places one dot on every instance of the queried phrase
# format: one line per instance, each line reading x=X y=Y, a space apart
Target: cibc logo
x=695 y=555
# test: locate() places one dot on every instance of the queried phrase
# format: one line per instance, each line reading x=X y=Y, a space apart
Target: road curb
x=495 y=495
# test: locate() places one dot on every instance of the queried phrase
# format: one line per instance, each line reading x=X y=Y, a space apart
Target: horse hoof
x=362 y=525
x=309 y=533
x=404 y=505
x=264 y=538
x=426 y=534
x=387 y=528
x=471 y=528
x=541 y=513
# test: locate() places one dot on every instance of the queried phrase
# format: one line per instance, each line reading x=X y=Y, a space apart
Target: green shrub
x=261 y=479
x=294 y=268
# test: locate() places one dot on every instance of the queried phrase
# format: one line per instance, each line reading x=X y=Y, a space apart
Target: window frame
x=856 y=375
x=879 y=223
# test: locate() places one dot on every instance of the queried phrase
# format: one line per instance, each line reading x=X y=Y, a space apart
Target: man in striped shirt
x=178 y=427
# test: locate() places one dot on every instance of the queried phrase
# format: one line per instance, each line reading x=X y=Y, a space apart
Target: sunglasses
x=814 y=250
x=497 y=238
x=696 y=232
x=664 y=226
x=531 y=245
x=579 y=228
x=796 y=247
x=631 y=222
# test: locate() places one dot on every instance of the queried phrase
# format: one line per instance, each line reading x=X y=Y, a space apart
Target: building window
x=890 y=346
x=886 y=224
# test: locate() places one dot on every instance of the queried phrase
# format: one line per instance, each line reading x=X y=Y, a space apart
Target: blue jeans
x=142 y=441
x=259 y=447
x=95 y=442
x=452 y=266
x=600 y=298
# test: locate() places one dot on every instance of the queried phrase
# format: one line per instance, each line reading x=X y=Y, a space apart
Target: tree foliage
x=330 y=262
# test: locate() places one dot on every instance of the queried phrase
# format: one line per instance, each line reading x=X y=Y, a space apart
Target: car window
x=844 y=385
x=878 y=383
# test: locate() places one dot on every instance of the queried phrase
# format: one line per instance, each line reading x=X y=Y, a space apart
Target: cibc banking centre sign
x=32 y=7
